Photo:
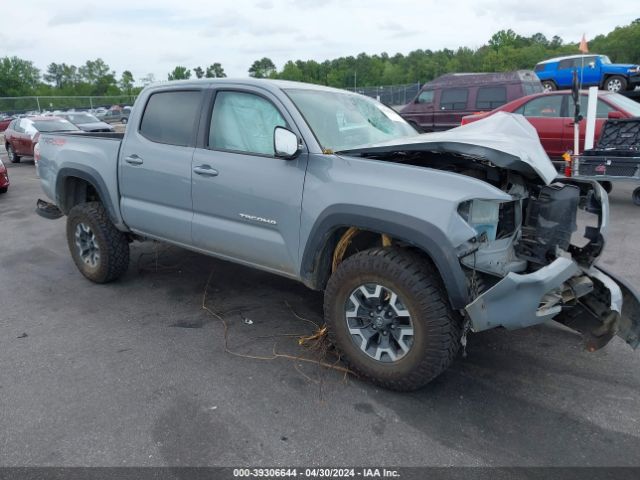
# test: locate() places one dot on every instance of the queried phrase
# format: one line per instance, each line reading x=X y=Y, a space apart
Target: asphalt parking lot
x=136 y=372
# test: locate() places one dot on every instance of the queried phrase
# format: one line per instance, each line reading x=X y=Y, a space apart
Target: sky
x=155 y=36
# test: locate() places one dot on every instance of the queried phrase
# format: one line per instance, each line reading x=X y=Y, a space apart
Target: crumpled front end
x=545 y=269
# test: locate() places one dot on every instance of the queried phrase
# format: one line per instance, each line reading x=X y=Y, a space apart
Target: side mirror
x=615 y=115
x=285 y=143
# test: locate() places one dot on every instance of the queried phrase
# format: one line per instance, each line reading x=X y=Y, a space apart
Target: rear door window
x=170 y=117
x=454 y=99
x=489 y=98
x=545 y=106
x=566 y=63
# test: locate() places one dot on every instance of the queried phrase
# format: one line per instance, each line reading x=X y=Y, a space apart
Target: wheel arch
x=427 y=238
x=75 y=186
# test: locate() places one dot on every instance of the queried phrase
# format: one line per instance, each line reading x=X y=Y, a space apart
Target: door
x=421 y=110
x=247 y=202
x=155 y=166
x=590 y=71
x=547 y=115
x=25 y=133
x=451 y=108
x=564 y=74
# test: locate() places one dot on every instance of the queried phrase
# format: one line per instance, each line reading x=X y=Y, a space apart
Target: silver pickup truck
x=416 y=240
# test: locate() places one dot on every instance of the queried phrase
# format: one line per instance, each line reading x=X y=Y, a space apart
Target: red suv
x=23 y=133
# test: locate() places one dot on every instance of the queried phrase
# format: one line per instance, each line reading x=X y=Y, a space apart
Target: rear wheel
x=636 y=196
x=98 y=248
x=389 y=316
x=11 y=153
x=615 y=84
x=4 y=189
x=549 y=86
x=124 y=120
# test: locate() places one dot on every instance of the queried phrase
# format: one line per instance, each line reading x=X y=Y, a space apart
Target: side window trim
x=196 y=121
x=208 y=118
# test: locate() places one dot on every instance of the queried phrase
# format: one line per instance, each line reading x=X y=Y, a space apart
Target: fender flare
x=419 y=233
x=93 y=178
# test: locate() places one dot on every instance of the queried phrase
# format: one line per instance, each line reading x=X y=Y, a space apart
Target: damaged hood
x=505 y=139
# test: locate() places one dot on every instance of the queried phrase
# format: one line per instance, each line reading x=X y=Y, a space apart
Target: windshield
x=79 y=118
x=604 y=59
x=58 y=125
x=341 y=121
x=625 y=104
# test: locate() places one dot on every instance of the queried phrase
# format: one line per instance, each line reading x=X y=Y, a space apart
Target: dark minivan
x=441 y=103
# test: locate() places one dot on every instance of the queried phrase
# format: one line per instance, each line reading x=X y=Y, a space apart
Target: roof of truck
x=258 y=82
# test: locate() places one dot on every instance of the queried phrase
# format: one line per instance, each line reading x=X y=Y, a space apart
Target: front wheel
x=636 y=196
x=4 y=189
x=124 y=121
x=615 y=84
x=548 y=86
x=98 y=248
x=11 y=153
x=389 y=316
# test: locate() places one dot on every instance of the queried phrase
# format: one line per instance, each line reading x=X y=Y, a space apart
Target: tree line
x=505 y=50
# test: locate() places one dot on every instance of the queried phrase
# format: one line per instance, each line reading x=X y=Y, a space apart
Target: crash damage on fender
x=533 y=245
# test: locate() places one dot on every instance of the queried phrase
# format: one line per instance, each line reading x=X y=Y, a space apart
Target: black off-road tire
x=11 y=153
x=113 y=244
x=4 y=189
x=437 y=327
x=635 y=196
x=549 y=86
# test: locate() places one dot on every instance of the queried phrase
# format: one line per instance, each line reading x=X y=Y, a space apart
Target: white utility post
x=592 y=108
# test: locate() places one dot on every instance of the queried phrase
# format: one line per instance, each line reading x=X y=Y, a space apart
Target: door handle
x=133 y=160
x=205 y=170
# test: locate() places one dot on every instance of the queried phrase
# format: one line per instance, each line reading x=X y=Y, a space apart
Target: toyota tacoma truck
x=416 y=240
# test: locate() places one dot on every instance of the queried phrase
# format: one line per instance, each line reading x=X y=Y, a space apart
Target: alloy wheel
x=379 y=322
x=87 y=245
x=614 y=85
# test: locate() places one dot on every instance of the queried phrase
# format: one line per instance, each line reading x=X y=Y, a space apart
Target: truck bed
x=83 y=154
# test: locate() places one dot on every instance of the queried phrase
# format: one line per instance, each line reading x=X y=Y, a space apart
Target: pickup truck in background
x=593 y=70
x=414 y=239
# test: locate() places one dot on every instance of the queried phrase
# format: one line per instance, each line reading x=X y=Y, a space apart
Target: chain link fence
x=392 y=95
x=19 y=105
